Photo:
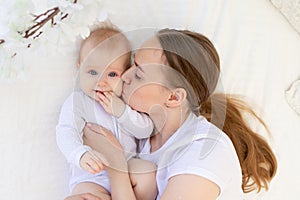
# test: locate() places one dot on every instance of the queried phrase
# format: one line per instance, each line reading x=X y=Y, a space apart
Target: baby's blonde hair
x=102 y=32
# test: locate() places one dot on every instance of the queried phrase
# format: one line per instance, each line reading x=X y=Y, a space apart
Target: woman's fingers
x=96 y=128
x=85 y=196
x=103 y=141
x=89 y=196
x=103 y=131
x=95 y=136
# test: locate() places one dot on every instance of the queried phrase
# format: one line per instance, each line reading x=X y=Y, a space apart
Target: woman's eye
x=93 y=72
x=137 y=76
x=112 y=74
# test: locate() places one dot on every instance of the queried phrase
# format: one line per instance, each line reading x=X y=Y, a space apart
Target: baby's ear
x=78 y=64
x=176 y=97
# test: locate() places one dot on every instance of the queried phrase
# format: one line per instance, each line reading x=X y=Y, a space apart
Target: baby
x=103 y=57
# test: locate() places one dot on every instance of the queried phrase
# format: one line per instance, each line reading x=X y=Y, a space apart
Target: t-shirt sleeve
x=217 y=164
x=69 y=130
x=136 y=124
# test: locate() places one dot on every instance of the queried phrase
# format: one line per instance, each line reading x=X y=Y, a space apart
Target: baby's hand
x=112 y=103
x=92 y=162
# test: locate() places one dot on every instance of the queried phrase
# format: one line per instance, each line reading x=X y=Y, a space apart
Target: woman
x=173 y=80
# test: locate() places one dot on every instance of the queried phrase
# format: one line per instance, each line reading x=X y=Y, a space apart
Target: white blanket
x=293 y=96
x=259 y=53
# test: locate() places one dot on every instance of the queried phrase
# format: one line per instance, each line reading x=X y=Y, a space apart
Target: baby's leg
x=95 y=189
x=143 y=178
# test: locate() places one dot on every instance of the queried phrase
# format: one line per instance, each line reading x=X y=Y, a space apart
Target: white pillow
x=291 y=10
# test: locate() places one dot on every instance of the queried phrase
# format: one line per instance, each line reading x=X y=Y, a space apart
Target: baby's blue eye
x=93 y=72
x=112 y=74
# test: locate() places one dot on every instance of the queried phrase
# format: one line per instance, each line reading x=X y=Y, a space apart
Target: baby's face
x=101 y=72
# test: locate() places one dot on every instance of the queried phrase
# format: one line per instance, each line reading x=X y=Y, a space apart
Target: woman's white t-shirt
x=200 y=148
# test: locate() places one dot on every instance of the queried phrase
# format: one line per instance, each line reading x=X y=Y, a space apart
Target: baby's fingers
x=88 y=168
x=100 y=158
x=102 y=98
x=108 y=95
x=95 y=166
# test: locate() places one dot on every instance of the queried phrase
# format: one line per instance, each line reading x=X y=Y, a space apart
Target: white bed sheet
x=259 y=53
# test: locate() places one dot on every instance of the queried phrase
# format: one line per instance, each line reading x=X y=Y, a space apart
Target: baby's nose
x=102 y=84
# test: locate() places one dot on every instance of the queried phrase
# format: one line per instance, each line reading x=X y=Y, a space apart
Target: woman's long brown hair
x=196 y=59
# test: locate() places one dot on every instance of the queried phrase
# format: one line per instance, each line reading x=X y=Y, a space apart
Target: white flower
x=71 y=23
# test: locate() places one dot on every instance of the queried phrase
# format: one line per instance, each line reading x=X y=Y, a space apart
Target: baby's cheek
x=84 y=86
x=118 y=88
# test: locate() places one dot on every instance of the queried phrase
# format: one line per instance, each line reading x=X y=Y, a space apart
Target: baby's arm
x=68 y=137
x=131 y=121
x=135 y=123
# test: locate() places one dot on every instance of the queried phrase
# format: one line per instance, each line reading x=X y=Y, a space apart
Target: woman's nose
x=126 y=77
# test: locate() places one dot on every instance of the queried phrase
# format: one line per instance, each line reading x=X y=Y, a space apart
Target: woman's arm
x=192 y=187
x=103 y=141
x=185 y=186
x=120 y=185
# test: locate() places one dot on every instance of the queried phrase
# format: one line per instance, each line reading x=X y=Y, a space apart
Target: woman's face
x=144 y=83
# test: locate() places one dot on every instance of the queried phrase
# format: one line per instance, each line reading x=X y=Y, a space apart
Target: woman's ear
x=164 y=58
x=176 y=97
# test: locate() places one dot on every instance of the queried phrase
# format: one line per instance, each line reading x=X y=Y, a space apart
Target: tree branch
x=39 y=22
x=33 y=29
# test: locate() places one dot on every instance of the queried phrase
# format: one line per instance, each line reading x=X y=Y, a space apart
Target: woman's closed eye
x=93 y=72
x=136 y=76
x=138 y=71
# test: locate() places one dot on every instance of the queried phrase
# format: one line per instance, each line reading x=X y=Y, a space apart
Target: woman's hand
x=106 y=144
x=96 y=132
x=86 y=196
